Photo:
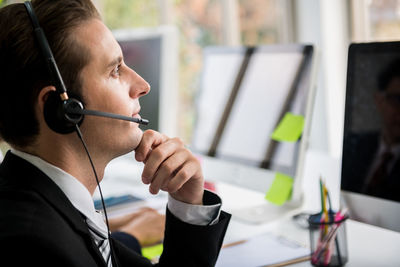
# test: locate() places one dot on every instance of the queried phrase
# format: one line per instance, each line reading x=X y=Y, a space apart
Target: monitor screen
x=153 y=54
x=276 y=81
x=144 y=57
x=371 y=141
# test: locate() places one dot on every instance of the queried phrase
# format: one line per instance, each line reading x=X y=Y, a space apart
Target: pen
x=323 y=217
x=329 y=247
x=234 y=243
x=326 y=225
x=322 y=194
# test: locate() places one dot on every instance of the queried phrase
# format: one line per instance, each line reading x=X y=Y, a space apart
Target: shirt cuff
x=207 y=214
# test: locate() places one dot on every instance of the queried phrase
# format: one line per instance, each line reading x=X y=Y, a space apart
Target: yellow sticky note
x=289 y=129
x=280 y=190
x=153 y=251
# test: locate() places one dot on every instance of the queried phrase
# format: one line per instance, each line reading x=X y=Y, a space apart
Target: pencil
x=234 y=244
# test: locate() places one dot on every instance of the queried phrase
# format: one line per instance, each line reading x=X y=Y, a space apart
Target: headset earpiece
x=55 y=113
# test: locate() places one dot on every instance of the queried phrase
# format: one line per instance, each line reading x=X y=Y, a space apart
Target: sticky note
x=280 y=190
x=153 y=251
x=289 y=129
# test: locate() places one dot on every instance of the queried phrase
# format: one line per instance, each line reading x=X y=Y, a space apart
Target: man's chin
x=137 y=138
x=130 y=145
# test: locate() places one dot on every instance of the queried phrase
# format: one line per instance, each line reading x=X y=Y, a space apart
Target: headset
x=64 y=115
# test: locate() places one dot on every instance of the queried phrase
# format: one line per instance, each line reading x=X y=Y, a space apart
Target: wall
x=325 y=24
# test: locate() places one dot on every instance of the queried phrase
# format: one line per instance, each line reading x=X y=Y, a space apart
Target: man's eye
x=116 y=71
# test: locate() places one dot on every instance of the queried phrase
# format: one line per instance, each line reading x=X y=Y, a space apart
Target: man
x=46 y=182
x=377 y=169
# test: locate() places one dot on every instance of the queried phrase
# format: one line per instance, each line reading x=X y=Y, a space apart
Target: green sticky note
x=289 y=129
x=280 y=190
x=153 y=251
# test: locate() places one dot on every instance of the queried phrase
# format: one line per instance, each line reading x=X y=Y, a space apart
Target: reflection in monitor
x=371 y=144
x=153 y=54
x=277 y=80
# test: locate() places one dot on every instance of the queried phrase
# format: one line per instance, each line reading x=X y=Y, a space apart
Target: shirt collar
x=75 y=191
x=383 y=147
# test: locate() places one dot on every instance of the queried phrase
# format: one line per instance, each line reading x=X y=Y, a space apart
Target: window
x=129 y=13
x=265 y=21
x=384 y=21
x=200 y=24
x=376 y=20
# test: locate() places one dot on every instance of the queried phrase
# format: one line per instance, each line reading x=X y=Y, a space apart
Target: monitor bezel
x=362 y=207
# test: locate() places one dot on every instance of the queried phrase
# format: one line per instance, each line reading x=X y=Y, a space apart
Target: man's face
x=111 y=86
x=388 y=104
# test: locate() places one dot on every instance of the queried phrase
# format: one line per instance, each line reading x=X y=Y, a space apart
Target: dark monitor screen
x=371 y=142
x=371 y=146
x=144 y=57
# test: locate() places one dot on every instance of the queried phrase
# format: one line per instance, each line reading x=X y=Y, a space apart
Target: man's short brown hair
x=23 y=72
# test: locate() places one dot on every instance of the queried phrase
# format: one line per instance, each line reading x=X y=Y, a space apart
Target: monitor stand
x=376 y=211
x=266 y=212
x=244 y=188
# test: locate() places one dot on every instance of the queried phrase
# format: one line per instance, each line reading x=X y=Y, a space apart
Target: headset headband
x=46 y=52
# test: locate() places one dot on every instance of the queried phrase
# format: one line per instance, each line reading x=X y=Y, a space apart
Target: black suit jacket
x=359 y=152
x=40 y=227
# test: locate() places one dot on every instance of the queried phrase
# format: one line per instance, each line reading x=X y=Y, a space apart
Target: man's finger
x=157 y=157
x=167 y=171
x=150 y=139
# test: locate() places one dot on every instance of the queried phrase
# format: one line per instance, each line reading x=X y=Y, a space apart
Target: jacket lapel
x=15 y=171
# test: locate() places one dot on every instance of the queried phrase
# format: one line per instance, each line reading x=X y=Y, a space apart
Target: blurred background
x=329 y=25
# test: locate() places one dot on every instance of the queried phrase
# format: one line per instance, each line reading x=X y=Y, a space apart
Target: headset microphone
x=74 y=110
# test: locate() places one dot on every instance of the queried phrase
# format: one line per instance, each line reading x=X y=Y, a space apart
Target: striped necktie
x=380 y=174
x=101 y=240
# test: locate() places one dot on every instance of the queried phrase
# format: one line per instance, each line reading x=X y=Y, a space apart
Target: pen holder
x=328 y=239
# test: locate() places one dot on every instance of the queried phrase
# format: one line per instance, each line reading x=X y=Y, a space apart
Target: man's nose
x=139 y=87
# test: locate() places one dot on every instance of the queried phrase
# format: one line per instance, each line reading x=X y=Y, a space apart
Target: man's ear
x=42 y=97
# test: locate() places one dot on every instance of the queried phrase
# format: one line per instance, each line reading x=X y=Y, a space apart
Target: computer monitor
x=153 y=54
x=277 y=80
x=371 y=146
x=274 y=80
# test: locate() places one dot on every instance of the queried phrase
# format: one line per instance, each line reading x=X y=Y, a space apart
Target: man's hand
x=146 y=225
x=171 y=167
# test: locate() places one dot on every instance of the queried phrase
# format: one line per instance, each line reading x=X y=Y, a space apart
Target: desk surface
x=367 y=245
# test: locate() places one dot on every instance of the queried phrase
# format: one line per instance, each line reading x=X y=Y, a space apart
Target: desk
x=367 y=245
